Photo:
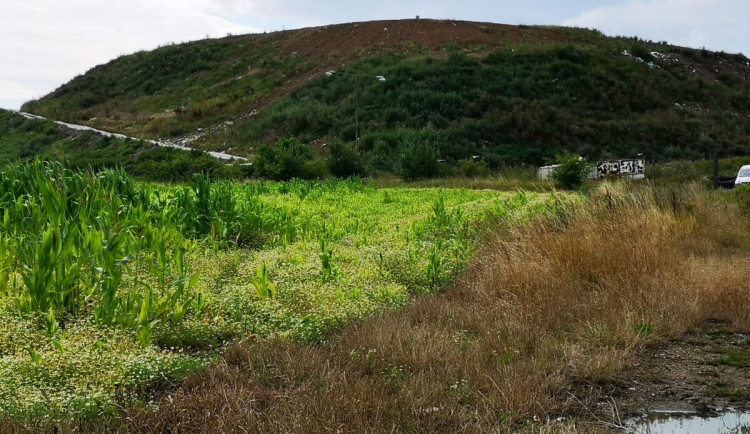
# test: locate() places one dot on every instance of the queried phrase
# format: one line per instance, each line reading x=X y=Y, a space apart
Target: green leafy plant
x=36 y=358
x=435 y=266
x=264 y=288
x=284 y=161
x=327 y=269
x=419 y=161
x=571 y=172
x=145 y=322
x=344 y=161
x=50 y=323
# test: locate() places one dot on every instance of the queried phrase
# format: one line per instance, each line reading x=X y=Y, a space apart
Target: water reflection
x=730 y=422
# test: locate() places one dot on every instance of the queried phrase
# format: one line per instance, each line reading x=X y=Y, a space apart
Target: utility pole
x=716 y=170
x=379 y=78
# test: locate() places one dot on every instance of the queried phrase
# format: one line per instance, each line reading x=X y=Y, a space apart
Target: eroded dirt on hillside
x=702 y=372
x=340 y=42
x=338 y=46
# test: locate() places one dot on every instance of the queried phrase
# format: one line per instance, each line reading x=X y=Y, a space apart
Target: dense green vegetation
x=572 y=171
x=110 y=288
x=26 y=139
x=521 y=105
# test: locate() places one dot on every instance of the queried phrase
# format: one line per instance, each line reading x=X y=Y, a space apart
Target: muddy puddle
x=668 y=422
x=702 y=378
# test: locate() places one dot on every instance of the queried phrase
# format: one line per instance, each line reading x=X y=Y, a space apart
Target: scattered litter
x=430 y=410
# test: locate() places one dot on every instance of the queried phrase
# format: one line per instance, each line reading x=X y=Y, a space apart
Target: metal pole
x=356 y=98
x=716 y=170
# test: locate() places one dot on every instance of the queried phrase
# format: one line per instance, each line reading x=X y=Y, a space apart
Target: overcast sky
x=45 y=43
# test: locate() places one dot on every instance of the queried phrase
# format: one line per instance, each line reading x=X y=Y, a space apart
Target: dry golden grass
x=544 y=310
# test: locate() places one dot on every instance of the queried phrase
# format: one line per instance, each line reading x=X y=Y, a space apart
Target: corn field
x=110 y=288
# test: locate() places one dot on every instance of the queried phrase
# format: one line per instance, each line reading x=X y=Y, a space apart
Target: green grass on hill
x=519 y=105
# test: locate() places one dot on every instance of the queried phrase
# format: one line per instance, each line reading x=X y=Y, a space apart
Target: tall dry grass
x=545 y=310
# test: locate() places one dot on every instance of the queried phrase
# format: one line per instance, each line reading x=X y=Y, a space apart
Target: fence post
x=716 y=171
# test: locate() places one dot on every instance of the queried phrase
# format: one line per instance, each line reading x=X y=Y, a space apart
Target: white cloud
x=44 y=43
x=713 y=24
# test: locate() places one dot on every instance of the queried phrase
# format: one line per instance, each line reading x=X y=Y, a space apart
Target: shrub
x=640 y=50
x=419 y=161
x=471 y=168
x=344 y=161
x=316 y=169
x=284 y=161
x=571 y=172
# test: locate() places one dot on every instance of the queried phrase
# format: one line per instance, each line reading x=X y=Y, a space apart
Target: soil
x=702 y=372
x=354 y=39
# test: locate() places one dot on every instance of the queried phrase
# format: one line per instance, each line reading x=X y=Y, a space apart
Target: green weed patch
x=112 y=289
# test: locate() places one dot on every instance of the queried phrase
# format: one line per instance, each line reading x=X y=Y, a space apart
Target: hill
x=456 y=90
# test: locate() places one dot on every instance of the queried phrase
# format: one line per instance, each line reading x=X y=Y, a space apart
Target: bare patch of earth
x=703 y=372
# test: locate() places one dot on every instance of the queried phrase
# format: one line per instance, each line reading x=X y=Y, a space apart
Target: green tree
x=572 y=171
x=419 y=161
x=284 y=161
x=344 y=161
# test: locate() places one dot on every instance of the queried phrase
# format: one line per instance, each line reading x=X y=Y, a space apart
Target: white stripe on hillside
x=219 y=155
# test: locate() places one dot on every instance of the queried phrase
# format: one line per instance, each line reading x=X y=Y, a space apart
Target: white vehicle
x=743 y=177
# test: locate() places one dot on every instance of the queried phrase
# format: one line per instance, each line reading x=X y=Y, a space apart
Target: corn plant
x=50 y=323
x=67 y=239
x=327 y=270
x=264 y=288
x=36 y=358
x=145 y=322
x=435 y=265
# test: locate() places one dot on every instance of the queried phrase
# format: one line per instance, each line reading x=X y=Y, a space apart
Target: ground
x=702 y=372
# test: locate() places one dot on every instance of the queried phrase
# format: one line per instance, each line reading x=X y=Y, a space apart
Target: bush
x=284 y=161
x=316 y=169
x=640 y=50
x=344 y=161
x=571 y=172
x=419 y=161
x=471 y=168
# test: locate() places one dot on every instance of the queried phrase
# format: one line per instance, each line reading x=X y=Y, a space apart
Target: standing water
x=729 y=422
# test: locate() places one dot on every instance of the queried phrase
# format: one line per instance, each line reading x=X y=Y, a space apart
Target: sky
x=45 y=43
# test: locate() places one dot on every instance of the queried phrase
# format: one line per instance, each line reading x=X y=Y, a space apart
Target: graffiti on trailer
x=621 y=167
